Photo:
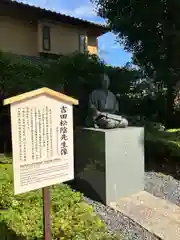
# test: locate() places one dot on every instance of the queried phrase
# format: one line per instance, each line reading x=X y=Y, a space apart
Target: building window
x=46 y=38
x=82 y=44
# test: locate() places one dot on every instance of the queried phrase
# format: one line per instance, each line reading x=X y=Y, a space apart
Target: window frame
x=46 y=36
x=82 y=49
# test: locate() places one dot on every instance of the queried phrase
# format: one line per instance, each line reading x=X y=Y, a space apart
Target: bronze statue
x=104 y=107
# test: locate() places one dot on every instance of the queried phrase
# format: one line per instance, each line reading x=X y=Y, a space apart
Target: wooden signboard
x=42 y=139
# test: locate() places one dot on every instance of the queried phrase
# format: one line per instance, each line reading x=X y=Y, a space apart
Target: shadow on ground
x=163 y=165
x=84 y=187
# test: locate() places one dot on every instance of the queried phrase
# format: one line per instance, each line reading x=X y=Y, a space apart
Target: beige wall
x=24 y=37
x=65 y=38
x=18 y=36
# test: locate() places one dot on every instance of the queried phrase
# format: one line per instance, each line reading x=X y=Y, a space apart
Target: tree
x=122 y=79
x=151 y=31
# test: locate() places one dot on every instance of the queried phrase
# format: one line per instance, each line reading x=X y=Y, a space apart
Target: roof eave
x=50 y=15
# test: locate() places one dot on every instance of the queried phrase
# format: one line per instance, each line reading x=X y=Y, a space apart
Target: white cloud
x=85 y=11
x=82 y=11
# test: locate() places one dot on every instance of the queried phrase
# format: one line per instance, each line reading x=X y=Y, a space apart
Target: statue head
x=105 y=81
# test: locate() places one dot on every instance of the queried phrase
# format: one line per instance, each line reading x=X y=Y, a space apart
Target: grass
x=21 y=216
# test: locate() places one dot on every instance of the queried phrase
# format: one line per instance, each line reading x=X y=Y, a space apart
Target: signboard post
x=42 y=140
x=46 y=213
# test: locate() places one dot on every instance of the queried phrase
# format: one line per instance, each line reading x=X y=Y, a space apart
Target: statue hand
x=98 y=113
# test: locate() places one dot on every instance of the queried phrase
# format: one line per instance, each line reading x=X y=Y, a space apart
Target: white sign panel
x=42 y=138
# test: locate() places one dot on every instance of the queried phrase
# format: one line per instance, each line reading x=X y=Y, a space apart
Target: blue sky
x=109 y=50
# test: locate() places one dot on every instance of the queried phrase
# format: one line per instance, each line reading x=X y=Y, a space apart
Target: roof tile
x=56 y=14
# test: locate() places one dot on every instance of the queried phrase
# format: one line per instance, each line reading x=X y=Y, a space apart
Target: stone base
x=109 y=164
x=156 y=215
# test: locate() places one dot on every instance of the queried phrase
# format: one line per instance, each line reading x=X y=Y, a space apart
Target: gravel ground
x=159 y=185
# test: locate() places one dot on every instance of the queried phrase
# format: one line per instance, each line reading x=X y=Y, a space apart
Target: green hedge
x=21 y=216
x=20 y=74
x=74 y=72
x=75 y=75
x=162 y=144
x=159 y=142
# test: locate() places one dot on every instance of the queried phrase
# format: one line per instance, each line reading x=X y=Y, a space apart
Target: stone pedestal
x=109 y=164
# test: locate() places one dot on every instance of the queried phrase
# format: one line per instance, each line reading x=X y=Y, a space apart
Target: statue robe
x=104 y=102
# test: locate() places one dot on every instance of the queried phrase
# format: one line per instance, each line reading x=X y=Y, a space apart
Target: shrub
x=21 y=216
x=162 y=144
x=19 y=74
x=75 y=74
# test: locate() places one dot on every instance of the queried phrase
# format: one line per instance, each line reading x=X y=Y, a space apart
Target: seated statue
x=104 y=107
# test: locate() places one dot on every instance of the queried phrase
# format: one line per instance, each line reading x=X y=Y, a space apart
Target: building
x=31 y=31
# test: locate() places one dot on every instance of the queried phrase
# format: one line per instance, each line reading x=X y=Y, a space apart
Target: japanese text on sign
x=43 y=137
